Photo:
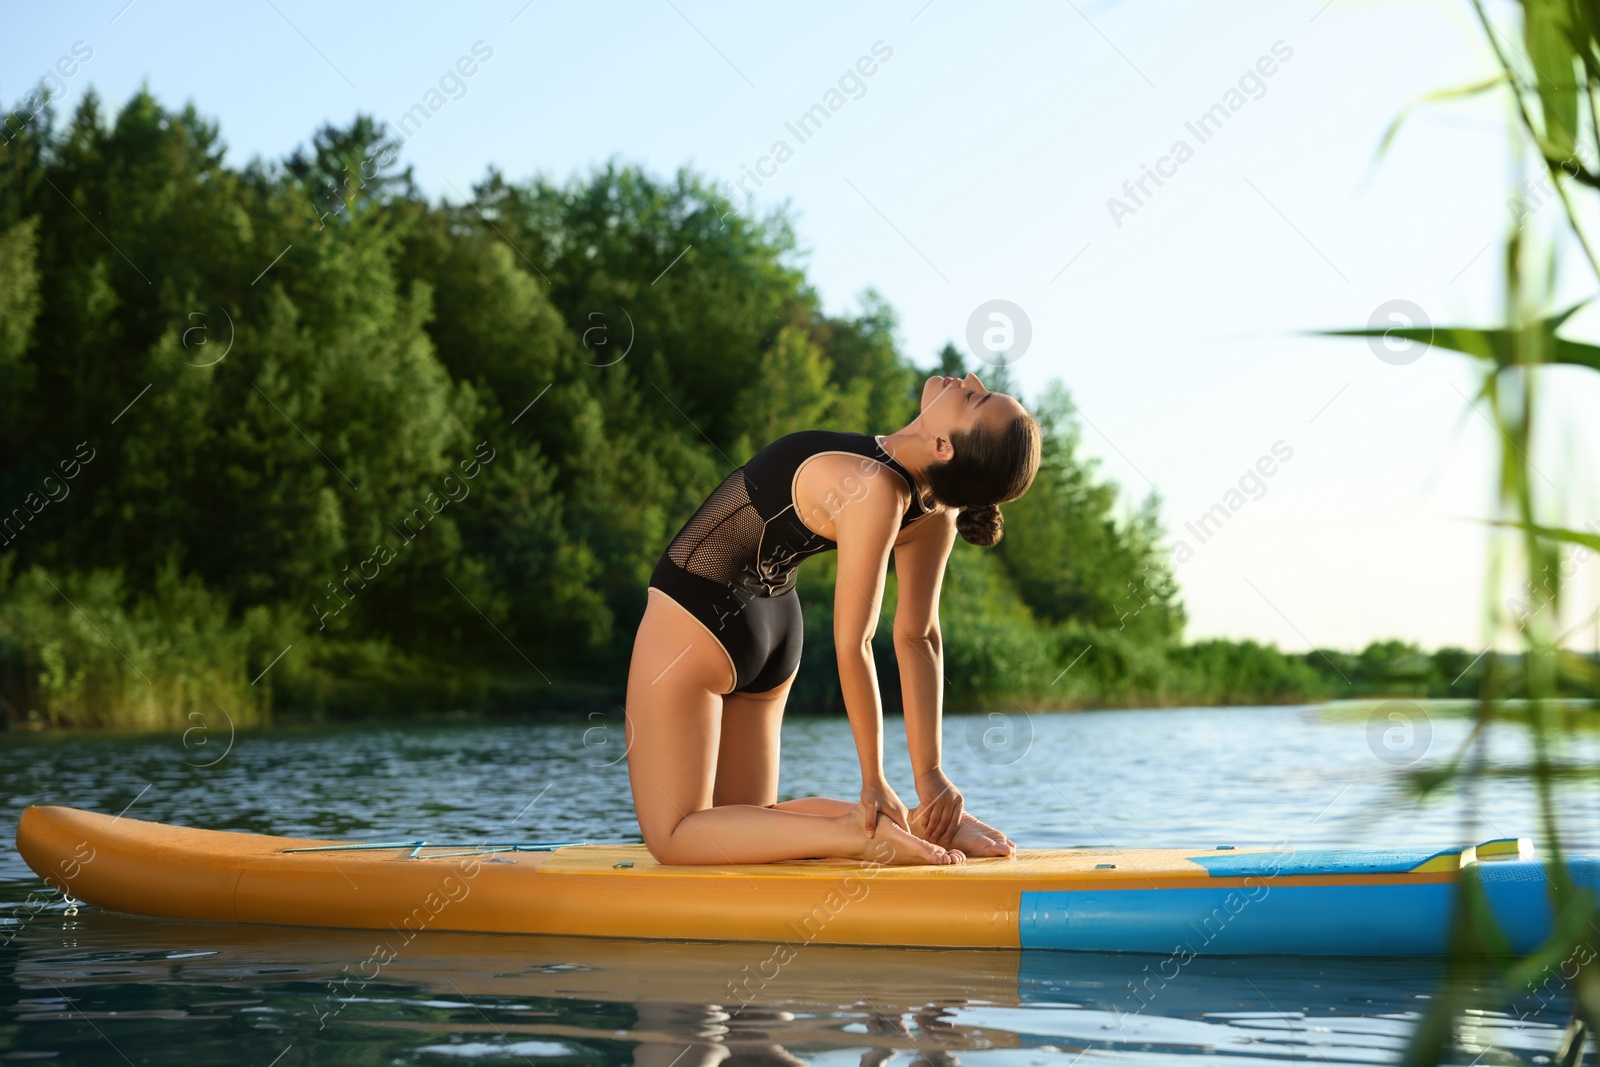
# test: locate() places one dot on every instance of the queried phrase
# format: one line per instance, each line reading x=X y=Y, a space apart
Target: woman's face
x=950 y=404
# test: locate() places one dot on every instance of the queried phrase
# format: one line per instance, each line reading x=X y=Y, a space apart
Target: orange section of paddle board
x=147 y=868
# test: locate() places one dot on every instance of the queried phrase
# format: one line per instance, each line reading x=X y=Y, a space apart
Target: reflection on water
x=98 y=988
x=82 y=984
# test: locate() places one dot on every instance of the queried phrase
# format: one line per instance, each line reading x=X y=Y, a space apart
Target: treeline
x=1241 y=672
x=290 y=439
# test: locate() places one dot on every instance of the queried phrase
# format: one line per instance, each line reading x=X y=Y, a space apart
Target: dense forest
x=290 y=440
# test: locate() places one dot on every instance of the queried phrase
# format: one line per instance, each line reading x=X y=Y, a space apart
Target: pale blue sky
x=976 y=164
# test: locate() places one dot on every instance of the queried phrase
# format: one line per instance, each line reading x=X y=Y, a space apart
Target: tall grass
x=76 y=649
x=80 y=650
x=1551 y=77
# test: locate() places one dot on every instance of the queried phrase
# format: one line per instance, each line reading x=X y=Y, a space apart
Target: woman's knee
x=665 y=845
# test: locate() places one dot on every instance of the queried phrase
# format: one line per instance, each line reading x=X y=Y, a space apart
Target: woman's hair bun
x=981 y=525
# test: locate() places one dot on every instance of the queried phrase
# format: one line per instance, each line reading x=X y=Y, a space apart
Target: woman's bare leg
x=973 y=838
x=676 y=679
x=747 y=753
x=747 y=761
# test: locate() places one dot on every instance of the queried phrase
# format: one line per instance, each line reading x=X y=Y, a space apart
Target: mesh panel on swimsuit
x=747 y=533
x=735 y=563
x=720 y=539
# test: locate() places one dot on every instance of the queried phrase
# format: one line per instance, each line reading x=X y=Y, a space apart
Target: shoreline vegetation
x=599 y=717
x=286 y=442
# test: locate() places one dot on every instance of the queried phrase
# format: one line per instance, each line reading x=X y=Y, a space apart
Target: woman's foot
x=972 y=837
x=893 y=847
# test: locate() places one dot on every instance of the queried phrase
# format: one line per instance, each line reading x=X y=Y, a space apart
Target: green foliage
x=435 y=450
x=1549 y=81
x=950 y=362
x=79 y=649
x=1069 y=554
x=1493 y=346
x=1244 y=672
x=1548 y=33
x=994 y=651
x=791 y=392
x=19 y=294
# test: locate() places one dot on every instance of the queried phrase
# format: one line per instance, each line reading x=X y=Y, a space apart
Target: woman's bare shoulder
x=827 y=483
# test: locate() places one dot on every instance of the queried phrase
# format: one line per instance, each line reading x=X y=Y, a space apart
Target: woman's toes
x=979 y=839
x=937 y=854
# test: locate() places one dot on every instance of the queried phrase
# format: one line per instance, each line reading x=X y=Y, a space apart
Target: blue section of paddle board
x=1519 y=892
x=1316 y=861
x=1270 y=918
x=1265 y=919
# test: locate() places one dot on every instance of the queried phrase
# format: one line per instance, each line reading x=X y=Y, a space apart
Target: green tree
x=950 y=361
x=437 y=448
x=1072 y=557
x=791 y=392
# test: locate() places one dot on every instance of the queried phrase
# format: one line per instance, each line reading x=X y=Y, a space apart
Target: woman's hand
x=878 y=796
x=942 y=804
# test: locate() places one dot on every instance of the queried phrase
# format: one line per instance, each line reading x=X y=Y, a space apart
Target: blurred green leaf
x=1557 y=533
x=1458 y=93
x=1496 y=345
x=1547 y=29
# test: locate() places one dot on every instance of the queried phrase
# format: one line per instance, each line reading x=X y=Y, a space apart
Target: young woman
x=719 y=643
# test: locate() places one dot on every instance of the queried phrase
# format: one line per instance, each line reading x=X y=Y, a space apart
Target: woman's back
x=749 y=532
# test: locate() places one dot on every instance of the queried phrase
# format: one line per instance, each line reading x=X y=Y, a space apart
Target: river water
x=100 y=988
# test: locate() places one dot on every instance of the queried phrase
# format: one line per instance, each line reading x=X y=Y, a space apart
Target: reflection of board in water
x=1179 y=903
x=666 y=996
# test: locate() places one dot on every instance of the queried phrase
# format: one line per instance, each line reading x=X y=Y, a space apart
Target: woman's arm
x=919 y=564
x=866 y=529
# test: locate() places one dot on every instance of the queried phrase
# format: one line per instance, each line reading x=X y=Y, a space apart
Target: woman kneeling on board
x=719 y=644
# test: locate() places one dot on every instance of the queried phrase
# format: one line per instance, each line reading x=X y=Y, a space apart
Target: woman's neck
x=902 y=449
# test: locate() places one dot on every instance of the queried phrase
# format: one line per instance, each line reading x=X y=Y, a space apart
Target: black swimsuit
x=734 y=563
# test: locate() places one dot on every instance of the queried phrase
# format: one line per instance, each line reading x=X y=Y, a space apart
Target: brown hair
x=991 y=466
